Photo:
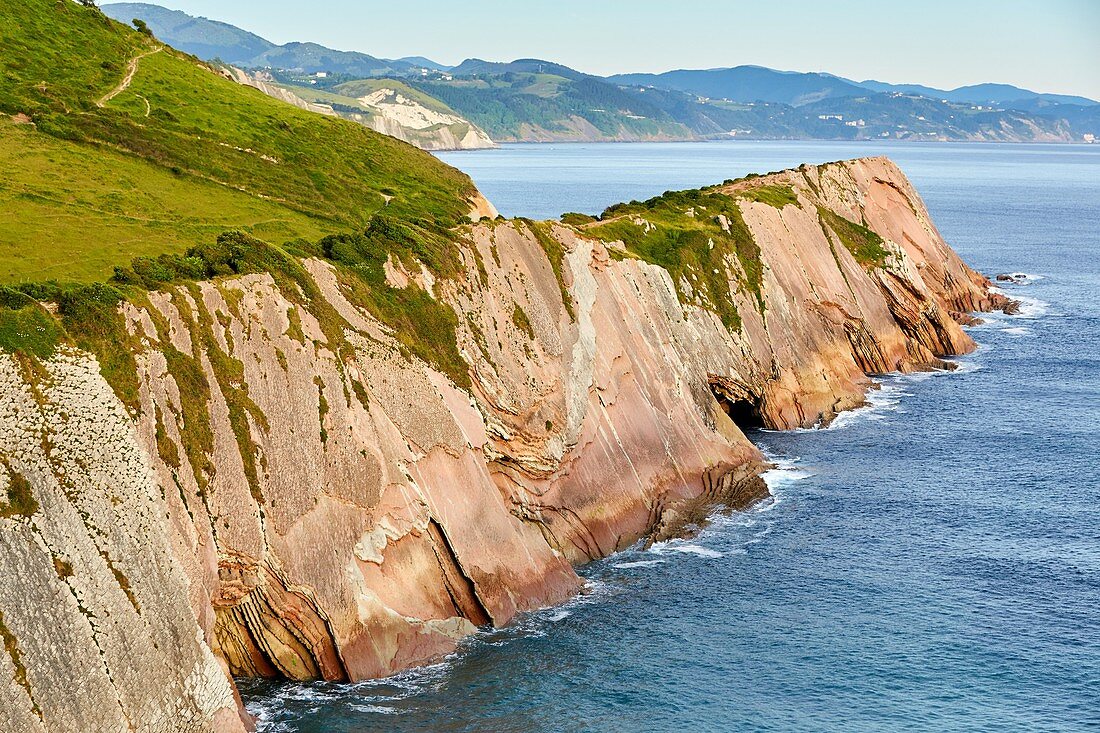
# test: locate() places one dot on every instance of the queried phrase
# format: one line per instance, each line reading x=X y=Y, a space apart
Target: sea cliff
x=295 y=489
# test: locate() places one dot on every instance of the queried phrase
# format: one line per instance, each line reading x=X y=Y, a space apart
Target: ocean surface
x=928 y=563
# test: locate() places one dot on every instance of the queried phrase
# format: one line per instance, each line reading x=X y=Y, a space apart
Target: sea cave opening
x=744 y=414
x=743 y=410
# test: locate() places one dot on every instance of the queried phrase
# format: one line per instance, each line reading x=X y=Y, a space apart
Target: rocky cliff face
x=292 y=504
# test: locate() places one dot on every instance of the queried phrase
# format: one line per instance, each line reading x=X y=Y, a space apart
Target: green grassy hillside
x=74 y=212
x=158 y=149
x=362 y=87
x=521 y=106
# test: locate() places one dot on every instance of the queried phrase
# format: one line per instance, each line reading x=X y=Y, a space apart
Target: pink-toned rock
x=344 y=511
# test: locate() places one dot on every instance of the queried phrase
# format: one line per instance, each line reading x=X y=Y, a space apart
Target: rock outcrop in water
x=284 y=505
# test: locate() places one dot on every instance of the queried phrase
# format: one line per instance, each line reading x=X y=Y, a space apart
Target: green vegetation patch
x=353 y=90
x=522 y=322
x=229 y=374
x=63 y=568
x=25 y=325
x=196 y=434
x=89 y=319
x=322 y=406
x=74 y=212
x=329 y=167
x=423 y=325
x=166 y=449
x=865 y=245
x=575 y=219
x=682 y=232
x=777 y=196
x=233 y=254
x=11 y=646
x=60 y=57
x=555 y=252
x=512 y=105
x=20 y=500
x=122 y=580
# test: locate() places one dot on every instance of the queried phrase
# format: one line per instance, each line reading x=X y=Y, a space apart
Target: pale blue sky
x=1047 y=45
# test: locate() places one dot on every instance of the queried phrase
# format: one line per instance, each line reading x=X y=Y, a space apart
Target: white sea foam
x=638 y=564
x=785 y=473
x=884 y=399
x=594 y=590
x=1018 y=331
x=685 y=547
x=1029 y=307
x=1032 y=307
x=377 y=709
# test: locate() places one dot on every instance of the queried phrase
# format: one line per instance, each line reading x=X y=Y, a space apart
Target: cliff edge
x=282 y=473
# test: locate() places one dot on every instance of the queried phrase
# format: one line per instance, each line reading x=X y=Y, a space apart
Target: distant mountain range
x=204 y=38
x=747 y=84
x=536 y=100
x=1001 y=94
x=757 y=83
x=211 y=39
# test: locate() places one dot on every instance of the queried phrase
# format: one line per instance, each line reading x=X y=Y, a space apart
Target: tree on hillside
x=141 y=26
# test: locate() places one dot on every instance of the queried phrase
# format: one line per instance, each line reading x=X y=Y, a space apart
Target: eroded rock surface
x=98 y=631
x=305 y=508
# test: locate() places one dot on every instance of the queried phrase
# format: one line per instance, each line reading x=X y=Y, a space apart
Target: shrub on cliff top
x=777 y=196
x=424 y=326
x=89 y=318
x=27 y=326
x=574 y=219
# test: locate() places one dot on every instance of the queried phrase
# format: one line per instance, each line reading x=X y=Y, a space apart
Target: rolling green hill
x=548 y=106
x=104 y=100
x=534 y=100
x=747 y=84
x=75 y=212
x=132 y=160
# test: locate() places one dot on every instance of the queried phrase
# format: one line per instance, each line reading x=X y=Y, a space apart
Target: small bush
x=20 y=499
x=575 y=219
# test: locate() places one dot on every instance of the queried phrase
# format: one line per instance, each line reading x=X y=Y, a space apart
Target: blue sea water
x=928 y=563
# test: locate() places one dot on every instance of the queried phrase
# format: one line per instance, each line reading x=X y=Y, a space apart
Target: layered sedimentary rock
x=300 y=508
x=98 y=629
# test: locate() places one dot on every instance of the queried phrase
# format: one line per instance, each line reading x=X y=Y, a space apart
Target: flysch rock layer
x=365 y=513
x=98 y=630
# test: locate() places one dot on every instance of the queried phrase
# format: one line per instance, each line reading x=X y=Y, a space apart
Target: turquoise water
x=929 y=563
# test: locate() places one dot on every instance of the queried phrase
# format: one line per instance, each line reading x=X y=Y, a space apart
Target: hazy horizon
x=1049 y=47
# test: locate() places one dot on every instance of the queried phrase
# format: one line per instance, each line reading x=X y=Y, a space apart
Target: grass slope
x=305 y=172
x=74 y=212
